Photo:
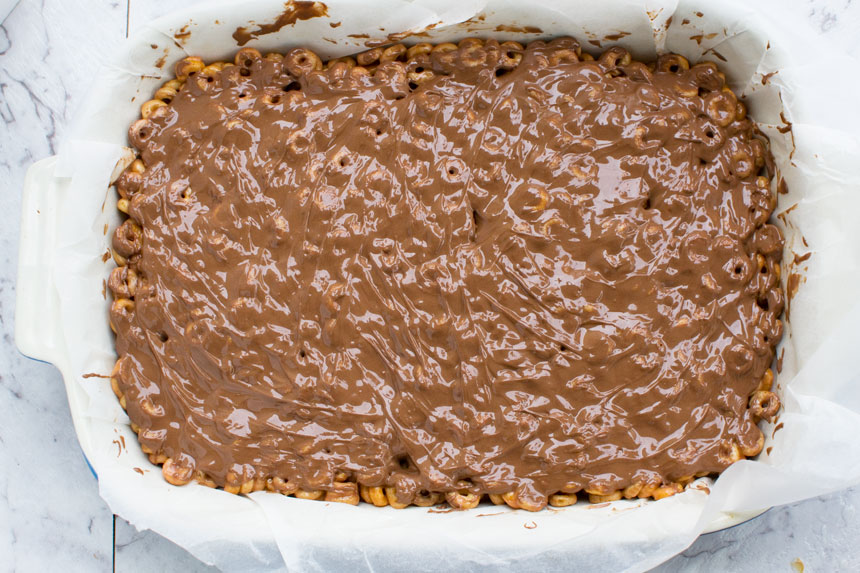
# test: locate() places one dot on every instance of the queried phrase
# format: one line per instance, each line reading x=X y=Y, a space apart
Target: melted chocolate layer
x=556 y=274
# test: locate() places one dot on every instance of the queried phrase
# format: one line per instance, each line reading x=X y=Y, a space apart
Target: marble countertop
x=51 y=515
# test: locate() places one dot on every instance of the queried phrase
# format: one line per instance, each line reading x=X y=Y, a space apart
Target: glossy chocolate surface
x=558 y=275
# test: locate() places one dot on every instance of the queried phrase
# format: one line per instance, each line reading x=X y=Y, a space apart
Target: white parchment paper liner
x=815 y=450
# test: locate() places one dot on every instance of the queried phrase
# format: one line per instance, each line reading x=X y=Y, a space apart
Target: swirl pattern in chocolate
x=483 y=270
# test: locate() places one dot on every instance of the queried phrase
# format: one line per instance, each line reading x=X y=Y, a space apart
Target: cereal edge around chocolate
x=422 y=63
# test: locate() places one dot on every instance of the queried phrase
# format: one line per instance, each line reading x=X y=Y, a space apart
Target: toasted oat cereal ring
x=187 y=67
x=673 y=63
x=562 y=499
x=427 y=498
x=375 y=495
x=176 y=473
x=343 y=492
x=667 y=490
x=603 y=498
x=301 y=61
x=462 y=499
x=764 y=404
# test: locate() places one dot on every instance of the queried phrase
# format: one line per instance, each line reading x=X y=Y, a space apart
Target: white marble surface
x=51 y=517
x=48 y=497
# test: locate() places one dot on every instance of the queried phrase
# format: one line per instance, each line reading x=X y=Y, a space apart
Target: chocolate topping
x=534 y=277
x=294 y=10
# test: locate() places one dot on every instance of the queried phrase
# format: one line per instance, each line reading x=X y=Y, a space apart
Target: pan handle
x=37 y=303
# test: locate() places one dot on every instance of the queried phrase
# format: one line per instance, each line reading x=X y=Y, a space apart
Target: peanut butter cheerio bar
x=447 y=272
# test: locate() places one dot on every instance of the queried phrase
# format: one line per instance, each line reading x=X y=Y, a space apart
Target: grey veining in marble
x=51 y=517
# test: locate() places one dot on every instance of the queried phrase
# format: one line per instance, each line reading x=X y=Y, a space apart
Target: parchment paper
x=785 y=73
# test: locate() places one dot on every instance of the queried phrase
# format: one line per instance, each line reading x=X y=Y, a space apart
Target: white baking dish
x=61 y=314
